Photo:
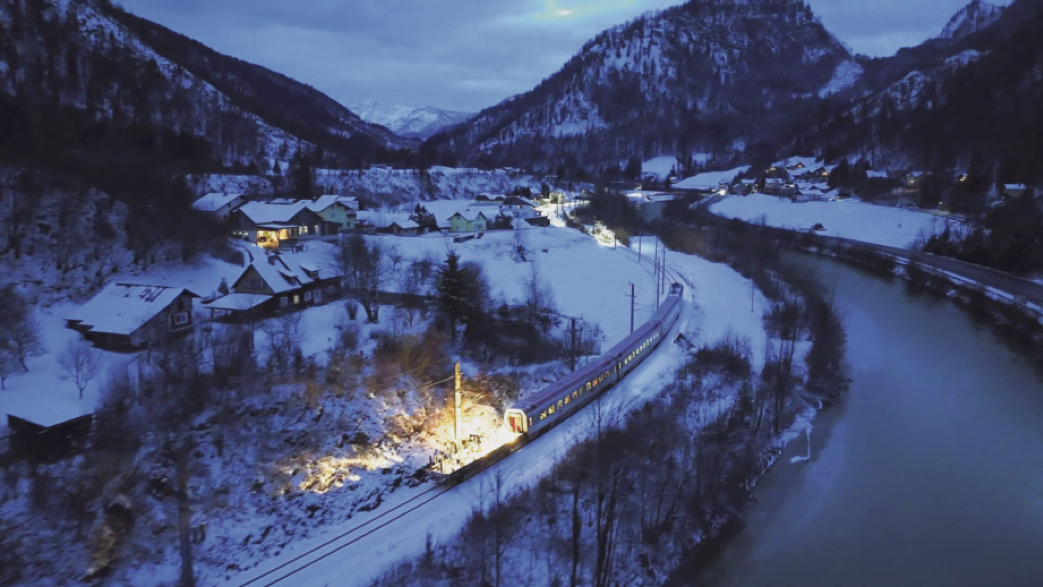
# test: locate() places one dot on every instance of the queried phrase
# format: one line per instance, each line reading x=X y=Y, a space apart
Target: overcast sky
x=467 y=54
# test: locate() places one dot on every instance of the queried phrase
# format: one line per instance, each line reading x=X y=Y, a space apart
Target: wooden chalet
x=273 y=286
x=127 y=316
x=275 y=223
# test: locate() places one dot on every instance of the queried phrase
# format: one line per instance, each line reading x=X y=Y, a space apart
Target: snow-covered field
x=881 y=225
x=710 y=179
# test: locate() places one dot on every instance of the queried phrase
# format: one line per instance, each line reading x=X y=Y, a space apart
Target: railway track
x=308 y=558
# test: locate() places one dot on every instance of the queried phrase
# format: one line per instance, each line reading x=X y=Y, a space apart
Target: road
x=1018 y=287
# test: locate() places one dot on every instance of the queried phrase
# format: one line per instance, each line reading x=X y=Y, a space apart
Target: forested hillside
x=718 y=76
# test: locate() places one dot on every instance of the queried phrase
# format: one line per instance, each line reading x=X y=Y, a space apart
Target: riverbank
x=925 y=474
x=645 y=491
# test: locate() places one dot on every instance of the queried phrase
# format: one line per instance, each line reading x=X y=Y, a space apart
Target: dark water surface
x=929 y=473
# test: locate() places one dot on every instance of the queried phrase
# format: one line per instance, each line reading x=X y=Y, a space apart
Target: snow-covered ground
x=378 y=185
x=44 y=395
x=589 y=280
x=710 y=179
x=659 y=167
x=364 y=554
x=881 y=225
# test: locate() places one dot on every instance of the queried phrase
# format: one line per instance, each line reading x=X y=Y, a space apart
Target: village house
x=774 y=185
x=274 y=224
x=518 y=207
x=338 y=213
x=404 y=228
x=460 y=223
x=274 y=285
x=1015 y=190
x=913 y=181
x=219 y=205
x=127 y=316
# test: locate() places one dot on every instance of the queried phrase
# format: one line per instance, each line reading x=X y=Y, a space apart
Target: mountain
x=406 y=121
x=710 y=76
x=970 y=19
x=970 y=102
x=91 y=61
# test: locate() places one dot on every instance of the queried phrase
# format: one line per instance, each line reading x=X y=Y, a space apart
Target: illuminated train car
x=560 y=399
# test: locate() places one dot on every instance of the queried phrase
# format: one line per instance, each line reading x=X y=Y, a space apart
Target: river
x=929 y=472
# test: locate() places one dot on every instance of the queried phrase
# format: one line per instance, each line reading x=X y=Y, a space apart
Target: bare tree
x=23 y=339
x=80 y=362
x=538 y=292
x=7 y=367
x=362 y=268
x=284 y=337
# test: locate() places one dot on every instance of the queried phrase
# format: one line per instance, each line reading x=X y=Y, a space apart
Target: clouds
x=882 y=27
x=466 y=54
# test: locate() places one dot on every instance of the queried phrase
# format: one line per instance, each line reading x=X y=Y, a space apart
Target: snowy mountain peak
x=971 y=19
x=407 y=121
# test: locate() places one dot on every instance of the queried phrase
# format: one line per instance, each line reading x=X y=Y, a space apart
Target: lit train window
x=550 y=410
x=560 y=404
x=566 y=400
x=543 y=415
x=575 y=395
x=588 y=386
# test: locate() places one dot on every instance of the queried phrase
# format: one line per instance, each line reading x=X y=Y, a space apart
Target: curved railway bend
x=378 y=539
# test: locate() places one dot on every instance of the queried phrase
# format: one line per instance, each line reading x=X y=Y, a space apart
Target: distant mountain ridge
x=407 y=121
x=707 y=76
x=970 y=19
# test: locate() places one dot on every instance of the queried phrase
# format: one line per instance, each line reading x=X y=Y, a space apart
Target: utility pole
x=457 y=395
x=657 y=271
x=631 y=296
x=658 y=278
x=572 y=347
x=638 y=245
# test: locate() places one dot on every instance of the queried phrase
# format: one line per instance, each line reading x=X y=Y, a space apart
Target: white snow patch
x=711 y=179
x=881 y=225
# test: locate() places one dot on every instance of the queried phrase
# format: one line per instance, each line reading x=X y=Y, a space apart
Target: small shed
x=404 y=228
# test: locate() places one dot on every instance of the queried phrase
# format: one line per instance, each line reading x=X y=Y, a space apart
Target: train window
x=588 y=386
x=575 y=395
x=560 y=403
x=550 y=410
x=543 y=415
x=567 y=398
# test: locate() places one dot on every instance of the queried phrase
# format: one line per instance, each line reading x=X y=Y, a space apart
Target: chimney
x=272 y=258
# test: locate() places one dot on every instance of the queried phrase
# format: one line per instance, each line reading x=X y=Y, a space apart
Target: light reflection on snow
x=328 y=473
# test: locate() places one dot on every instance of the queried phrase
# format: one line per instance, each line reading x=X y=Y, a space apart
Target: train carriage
x=563 y=397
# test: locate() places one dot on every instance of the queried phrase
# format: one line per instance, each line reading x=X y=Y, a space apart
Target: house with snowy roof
x=274 y=285
x=337 y=212
x=271 y=224
x=218 y=204
x=1014 y=190
x=914 y=180
x=473 y=222
x=518 y=207
x=404 y=228
x=127 y=316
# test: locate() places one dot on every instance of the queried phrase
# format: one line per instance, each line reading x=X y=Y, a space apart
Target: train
x=561 y=399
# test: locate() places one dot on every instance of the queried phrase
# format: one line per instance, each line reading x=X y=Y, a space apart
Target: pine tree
x=452 y=291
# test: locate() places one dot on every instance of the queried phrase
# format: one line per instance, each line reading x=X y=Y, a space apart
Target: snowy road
x=361 y=550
